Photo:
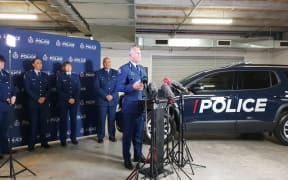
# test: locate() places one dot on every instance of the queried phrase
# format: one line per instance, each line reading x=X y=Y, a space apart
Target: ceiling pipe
x=73 y=16
x=275 y=35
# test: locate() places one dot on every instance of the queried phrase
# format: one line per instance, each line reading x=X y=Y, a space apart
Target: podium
x=156 y=153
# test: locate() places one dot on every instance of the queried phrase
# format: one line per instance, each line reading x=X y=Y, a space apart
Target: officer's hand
x=13 y=99
x=71 y=101
x=138 y=85
x=8 y=100
x=109 y=97
x=41 y=100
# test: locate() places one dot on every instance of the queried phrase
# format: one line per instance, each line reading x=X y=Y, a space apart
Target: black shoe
x=1 y=156
x=75 y=142
x=128 y=164
x=141 y=159
x=31 y=148
x=100 y=141
x=112 y=139
x=46 y=146
x=63 y=143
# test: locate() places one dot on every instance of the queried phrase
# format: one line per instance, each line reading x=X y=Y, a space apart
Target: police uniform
x=36 y=85
x=105 y=84
x=6 y=91
x=68 y=86
x=133 y=120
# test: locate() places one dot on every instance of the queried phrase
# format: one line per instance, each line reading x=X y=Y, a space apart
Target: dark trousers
x=133 y=125
x=66 y=109
x=4 y=123
x=109 y=112
x=38 y=116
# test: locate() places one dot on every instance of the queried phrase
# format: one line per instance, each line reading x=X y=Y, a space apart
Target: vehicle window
x=218 y=81
x=254 y=79
x=286 y=73
x=274 y=80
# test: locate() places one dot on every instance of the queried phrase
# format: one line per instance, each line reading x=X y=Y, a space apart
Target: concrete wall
x=120 y=56
x=280 y=56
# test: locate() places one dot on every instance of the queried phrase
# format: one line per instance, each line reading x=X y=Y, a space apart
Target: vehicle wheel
x=169 y=128
x=281 y=130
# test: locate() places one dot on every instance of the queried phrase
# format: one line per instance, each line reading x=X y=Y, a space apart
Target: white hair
x=132 y=49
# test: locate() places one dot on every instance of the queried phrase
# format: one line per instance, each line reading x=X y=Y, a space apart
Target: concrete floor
x=226 y=157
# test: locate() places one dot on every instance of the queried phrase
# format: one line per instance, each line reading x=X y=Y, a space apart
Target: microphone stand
x=11 y=116
x=182 y=156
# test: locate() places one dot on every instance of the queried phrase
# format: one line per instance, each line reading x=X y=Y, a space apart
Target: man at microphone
x=129 y=81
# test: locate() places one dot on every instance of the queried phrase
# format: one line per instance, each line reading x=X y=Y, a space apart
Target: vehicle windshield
x=187 y=79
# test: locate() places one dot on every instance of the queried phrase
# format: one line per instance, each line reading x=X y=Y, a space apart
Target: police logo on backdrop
x=45 y=57
x=58 y=43
x=51 y=49
x=42 y=41
x=82 y=46
x=15 y=55
x=82 y=74
x=79 y=60
x=56 y=58
x=82 y=103
x=70 y=59
x=27 y=56
x=88 y=46
x=30 y=40
x=68 y=44
x=16 y=123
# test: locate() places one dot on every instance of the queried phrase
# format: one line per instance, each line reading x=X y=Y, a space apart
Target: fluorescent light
x=211 y=21
x=11 y=40
x=19 y=16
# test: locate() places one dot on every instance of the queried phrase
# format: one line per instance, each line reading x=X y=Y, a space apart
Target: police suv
x=243 y=98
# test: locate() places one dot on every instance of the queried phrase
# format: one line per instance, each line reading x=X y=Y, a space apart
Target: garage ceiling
x=120 y=20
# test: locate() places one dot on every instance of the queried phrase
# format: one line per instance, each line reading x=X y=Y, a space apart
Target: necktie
x=137 y=67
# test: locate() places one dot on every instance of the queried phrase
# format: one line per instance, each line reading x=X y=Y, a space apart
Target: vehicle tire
x=281 y=129
x=169 y=128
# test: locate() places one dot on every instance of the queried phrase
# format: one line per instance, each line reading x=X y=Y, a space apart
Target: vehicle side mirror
x=195 y=88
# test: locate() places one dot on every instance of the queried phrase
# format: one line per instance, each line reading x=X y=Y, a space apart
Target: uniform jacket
x=105 y=84
x=36 y=86
x=127 y=76
x=68 y=86
x=6 y=90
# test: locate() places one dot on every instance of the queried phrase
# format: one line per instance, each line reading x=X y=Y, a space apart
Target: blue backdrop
x=53 y=50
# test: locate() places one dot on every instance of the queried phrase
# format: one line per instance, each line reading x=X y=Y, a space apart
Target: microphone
x=179 y=86
x=144 y=80
x=152 y=90
x=167 y=92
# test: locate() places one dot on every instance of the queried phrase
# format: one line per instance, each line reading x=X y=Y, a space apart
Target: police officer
x=36 y=85
x=68 y=88
x=129 y=81
x=7 y=97
x=107 y=99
